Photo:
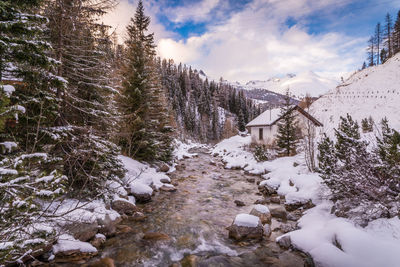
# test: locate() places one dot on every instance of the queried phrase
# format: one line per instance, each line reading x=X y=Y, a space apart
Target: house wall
x=270 y=132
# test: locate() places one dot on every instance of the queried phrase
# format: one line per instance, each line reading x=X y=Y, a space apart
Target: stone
x=82 y=231
x=213 y=163
x=164 y=167
x=288 y=227
x=261 y=212
x=168 y=188
x=267 y=230
x=123 y=229
x=239 y=203
x=239 y=232
x=215 y=155
x=155 y=236
x=266 y=189
x=123 y=206
x=251 y=180
x=275 y=199
x=141 y=192
x=262 y=201
x=279 y=212
x=104 y=262
x=138 y=217
x=98 y=240
x=284 y=241
x=165 y=180
x=299 y=205
x=108 y=225
x=294 y=216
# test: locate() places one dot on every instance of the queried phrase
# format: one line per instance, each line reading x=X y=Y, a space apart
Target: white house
x=264 y=128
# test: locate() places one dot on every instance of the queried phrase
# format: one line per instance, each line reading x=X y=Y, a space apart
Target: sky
x=242 y=40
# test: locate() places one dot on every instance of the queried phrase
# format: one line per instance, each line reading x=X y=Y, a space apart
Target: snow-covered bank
x=330 y=240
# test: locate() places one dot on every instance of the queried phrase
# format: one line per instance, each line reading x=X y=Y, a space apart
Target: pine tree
x=371 y=52
x=364 y=66
x=287 y=136
x=81 y=45
x=30 y=169
x=378 y=41
x=384 y=55
x=388 y=35
x=327 y=160
x=396 y=35
x=241 y=122
x=146 y=133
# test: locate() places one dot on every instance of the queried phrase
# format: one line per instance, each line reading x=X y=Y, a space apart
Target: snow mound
x=140 y=188
x=246 y=220
x=67 y=242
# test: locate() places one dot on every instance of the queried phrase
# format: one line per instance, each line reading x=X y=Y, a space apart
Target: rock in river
x=246 y=226
x=262 y=212
x=141 y=192
x=123 y=206
x=279 y=212
x=239 y=203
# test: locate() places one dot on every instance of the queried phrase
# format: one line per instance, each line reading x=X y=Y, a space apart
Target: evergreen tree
x=378 y=41
x=396 y=35
x=371 y=51
x=384 y=55
x=327 y=160
x=287 y=136
x=364 y=66
x=241 y=122
x=388 y=35
x=30 y=169
x=145 y=133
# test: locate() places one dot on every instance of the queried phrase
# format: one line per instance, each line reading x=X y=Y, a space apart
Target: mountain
x=299 y=85
x=374 y=92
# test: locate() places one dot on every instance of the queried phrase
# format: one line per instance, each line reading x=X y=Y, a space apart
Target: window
x=260 y=133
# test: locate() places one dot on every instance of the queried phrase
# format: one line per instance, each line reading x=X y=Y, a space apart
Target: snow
x=181 y=149
x=299 y=85
x=261 y=208
x=330 y=240
x=140 y=188
x=67 y=242
x=374 y=91
x=268 y=117
x=246 y=220
x=140 y=173
x=376 y=245
x=8 y=90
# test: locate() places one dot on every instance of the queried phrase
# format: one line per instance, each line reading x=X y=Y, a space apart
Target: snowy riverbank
x=330 y=240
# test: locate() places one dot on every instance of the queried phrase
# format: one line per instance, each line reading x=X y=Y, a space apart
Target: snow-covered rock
x=141 y=192
x=261 y=212
x=67 y=247
x=246 y=226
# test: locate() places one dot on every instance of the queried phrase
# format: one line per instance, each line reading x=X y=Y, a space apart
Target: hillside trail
x=195 y=218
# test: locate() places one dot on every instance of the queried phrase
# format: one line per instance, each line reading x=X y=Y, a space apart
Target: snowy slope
x=374 y=92
x=299 y=85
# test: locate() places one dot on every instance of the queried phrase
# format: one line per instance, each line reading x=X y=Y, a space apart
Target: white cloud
x=255 y=43
x=197 y=12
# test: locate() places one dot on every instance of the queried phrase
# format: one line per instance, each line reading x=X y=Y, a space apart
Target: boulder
x=251 y=180
x=262 y=212
x=164 y=167
x=123 y=206
x=137 y=217
x=299 y=205
x=68 y=249
x=279 y=212
x=284 y=241
x=246 y=226
x=141 y=192
x=239 y=203
x=82 y=231
x=267 y=230
x=262 y=201
x=266 y=189
x=275 y=199
x=165 y=180
x=123 y=229
x=168 y=188
x=98 y=240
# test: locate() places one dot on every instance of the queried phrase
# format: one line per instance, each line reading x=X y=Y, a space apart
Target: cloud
x=255 y=43
x=120 y=17
x=197 y=12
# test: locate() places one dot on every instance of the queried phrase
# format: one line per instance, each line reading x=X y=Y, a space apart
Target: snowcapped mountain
x=374 y=92
x=299 y=85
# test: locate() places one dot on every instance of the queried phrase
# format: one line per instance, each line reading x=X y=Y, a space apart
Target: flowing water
x=195 y=218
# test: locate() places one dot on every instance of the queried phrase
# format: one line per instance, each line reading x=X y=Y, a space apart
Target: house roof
x=272 y=116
